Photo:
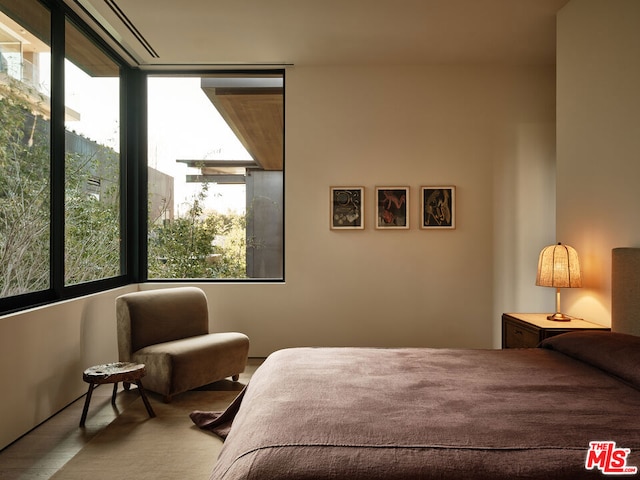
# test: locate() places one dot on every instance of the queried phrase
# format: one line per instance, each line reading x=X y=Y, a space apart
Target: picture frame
x=346 y=208
x=438 y=207
x=392 y=208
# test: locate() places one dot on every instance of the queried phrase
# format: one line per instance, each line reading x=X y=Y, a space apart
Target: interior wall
x=598 y=143
x=487 y=130
x=43 y=353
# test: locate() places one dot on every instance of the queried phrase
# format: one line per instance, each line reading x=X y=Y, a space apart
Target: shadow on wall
x=98 y=333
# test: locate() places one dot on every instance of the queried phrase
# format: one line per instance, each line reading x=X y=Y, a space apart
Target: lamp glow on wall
x=559 y=267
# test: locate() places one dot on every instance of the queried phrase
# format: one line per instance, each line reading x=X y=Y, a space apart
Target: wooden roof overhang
x=256 y=115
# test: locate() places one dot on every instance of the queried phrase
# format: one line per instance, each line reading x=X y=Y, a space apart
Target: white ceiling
x=312 y=32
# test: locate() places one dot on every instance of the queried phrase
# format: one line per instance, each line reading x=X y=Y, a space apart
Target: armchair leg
x=236 y=377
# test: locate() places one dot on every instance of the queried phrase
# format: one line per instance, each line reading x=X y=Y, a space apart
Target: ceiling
x=158 y=34
x=219 y=33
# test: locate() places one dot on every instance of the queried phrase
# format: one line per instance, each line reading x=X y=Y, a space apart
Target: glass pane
x=215 y=163
x=92 y=161
x=24 y=147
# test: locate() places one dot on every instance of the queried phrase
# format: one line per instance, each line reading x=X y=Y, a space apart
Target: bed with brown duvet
x=569 y=409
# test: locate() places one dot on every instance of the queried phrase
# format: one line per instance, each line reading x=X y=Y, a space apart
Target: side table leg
x=144 y=399
x=87 y=400
x=113 y=395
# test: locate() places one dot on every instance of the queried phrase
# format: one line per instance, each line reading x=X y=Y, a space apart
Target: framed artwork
x=392 y=207
x=347 y=208
x=438 y=207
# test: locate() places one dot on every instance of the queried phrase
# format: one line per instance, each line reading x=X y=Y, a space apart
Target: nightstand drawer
x=527 y=330
x=515 y=336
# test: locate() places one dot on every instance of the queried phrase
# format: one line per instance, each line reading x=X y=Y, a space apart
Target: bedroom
x=522 y=181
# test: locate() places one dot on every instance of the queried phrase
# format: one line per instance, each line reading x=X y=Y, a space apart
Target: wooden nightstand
x=526 y=330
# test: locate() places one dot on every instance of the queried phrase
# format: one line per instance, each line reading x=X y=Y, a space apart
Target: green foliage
x=230 y=244
x=92 y=225
x=92 y=219
x=24 y=196
x=198 y=245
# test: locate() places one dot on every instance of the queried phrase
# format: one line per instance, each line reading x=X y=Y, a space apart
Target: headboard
x=625 y=290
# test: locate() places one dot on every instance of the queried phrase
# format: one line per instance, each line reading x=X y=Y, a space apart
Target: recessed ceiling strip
x=131 y=27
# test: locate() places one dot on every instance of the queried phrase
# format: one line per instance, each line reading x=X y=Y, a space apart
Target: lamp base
x=559 y=317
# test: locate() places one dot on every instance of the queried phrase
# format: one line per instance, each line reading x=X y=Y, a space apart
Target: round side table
x=113 y=373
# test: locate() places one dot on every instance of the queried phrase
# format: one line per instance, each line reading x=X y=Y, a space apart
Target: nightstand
x=526 y=330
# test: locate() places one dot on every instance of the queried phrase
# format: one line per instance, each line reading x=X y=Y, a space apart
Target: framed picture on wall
x=347 y=208
x=392 y=207
x=438 y=208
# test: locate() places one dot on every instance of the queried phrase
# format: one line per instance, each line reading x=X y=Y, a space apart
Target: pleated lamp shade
x=559 y=267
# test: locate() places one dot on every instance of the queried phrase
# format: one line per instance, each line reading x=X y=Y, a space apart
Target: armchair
x=168 y=331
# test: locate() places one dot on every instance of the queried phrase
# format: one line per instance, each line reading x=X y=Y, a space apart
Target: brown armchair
x=168 y=331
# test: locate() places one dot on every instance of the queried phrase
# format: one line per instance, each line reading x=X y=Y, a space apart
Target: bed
x=568 y=409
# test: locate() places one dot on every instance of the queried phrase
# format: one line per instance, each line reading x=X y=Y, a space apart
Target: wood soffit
x=256 y=116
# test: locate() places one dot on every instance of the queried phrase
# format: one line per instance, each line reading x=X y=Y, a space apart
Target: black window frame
x=142 y=194
x=133 y=171
x=57 y=291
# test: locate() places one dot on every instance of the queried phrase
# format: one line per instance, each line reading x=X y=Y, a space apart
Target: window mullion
x=134 y=213
x=57 y=150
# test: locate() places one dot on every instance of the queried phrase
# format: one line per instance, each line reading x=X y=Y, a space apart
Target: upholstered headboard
x=625 y=290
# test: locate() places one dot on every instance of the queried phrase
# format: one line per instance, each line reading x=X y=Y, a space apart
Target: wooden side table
x=526 y=330
x=114 y=373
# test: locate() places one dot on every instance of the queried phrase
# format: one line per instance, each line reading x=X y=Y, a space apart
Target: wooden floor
x=43 y=451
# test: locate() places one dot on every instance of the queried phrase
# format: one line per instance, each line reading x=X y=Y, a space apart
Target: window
x=92 y=161
x=215 y=169
x=60 y=160
x=25 y=113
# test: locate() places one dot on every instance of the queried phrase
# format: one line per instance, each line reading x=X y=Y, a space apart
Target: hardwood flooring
x=43 y=451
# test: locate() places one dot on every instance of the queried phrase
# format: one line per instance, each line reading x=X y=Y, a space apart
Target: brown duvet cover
x=364 y=413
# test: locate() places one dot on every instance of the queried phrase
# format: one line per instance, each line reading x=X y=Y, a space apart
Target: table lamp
x=559 y=267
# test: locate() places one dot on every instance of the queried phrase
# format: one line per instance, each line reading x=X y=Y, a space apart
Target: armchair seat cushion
x=181 y=365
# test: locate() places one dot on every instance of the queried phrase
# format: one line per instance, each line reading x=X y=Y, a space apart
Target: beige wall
x=598 y=142
x=479 y=128
x=43 y=353
x=487 y=130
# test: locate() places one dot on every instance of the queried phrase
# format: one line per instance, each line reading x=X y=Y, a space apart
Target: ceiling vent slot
x=131 y=27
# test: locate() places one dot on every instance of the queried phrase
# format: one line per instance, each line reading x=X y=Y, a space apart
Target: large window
x=212 y=157
x=215 y=169
x=60 y=158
